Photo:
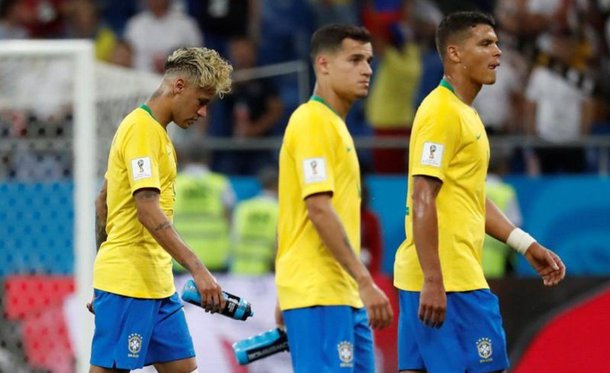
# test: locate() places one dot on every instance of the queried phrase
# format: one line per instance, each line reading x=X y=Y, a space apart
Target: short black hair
x=458 y=22
x=330 y=37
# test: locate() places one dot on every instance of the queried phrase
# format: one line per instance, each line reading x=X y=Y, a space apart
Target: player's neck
x=334 y=101
x=465 y=89
x=159 y=110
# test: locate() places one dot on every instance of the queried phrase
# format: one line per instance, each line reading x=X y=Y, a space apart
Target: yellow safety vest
x=255 y=226
x=199 y=218
x=496 y=253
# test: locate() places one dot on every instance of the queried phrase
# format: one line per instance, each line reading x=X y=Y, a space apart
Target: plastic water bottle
x=235 y=307
x=260 y=346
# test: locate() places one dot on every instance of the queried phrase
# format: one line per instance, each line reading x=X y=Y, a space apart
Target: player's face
x=350 y=69
x=191 y=104
x=481 y=56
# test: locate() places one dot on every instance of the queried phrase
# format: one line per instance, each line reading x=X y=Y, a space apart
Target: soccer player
x=449 y=320
x=322 y=285
x=138 y=317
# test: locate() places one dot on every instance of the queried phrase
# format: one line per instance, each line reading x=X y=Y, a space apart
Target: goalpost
x=80 y=52
x=59 y=109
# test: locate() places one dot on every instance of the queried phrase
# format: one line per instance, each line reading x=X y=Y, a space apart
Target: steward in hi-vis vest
x=202 y=213
x=497 y=255
x=255 y=230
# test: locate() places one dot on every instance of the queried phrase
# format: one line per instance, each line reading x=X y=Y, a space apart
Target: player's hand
x=548 y=264
x=432 y=304
x=90 y=305
x=377 y=305
x=210 y=291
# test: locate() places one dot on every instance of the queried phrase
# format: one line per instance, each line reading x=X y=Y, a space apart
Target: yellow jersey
x=317 y=156
x=448 y=142
x=131 y=262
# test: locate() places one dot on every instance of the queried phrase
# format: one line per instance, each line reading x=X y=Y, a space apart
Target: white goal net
x=58 y=112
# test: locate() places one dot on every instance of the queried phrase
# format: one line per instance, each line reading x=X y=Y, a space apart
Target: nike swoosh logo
x=479 y=136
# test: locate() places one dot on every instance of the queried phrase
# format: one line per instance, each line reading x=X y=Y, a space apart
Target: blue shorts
x=330 y=339
x=131 y=332
x=471 y=339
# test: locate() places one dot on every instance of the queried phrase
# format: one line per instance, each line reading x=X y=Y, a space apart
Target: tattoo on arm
x=147 y=194
x=100 y=231
x=101 y=214
x=164 y=225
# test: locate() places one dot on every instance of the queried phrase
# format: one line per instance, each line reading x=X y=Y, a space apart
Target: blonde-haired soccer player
x=449 y=319
x=138 y=316
x=322 y=285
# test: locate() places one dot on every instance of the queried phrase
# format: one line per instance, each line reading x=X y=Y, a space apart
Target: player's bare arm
x=548 y=264
x=101 y=214
x=153 y=218
x=433 y=300
x=331 y=230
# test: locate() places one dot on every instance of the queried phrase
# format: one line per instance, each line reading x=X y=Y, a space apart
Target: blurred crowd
x=552 y=84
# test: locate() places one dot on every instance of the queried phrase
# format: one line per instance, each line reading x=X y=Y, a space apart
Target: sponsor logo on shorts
x=346 y=354
x=134 y=344
x=485 y=349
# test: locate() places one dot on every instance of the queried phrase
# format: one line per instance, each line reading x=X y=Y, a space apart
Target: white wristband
x=519 y=240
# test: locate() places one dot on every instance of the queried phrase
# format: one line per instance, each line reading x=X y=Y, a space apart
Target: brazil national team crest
x=484 y=349
x=346 y=354
x=134 y=345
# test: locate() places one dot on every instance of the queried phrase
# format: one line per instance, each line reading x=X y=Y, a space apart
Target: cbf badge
x=484 y=349
x=134 y=343
x=346 y=354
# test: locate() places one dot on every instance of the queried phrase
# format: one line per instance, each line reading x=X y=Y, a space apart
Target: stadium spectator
x=284 y=29
x=82 y=22
x=254 y=109
x=122 y=54
x=135 y=302
x=47 y=18
x=389 y=107
x=223 y=20
x=156 y=31
x=254 y=229
x=14 y=16
x=326 y=12
x=445 y=302
x=501 y=104
x=558 y=110
x=202 y=214
x=115 y=14
x=322 y=284
x=426 y=17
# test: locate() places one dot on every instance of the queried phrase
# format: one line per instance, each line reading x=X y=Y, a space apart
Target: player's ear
x=322 y=63
x=179 y=85
x=453 y=53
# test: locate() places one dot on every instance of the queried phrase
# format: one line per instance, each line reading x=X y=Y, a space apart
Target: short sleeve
x=141 y=150
x=312 y=152
x=434 y=142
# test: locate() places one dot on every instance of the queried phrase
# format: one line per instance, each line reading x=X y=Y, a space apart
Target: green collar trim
x=321 y=100
x=147 y=109
x=447 y=85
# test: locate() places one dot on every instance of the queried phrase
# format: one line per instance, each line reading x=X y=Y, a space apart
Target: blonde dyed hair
x=202 y=66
